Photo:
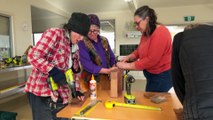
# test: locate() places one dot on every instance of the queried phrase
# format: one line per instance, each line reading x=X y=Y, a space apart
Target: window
x=36 y=37
x=108 y=31
x=5 y=37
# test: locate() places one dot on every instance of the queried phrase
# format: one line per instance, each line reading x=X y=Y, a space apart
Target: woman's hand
x=127 y=66
x=124 y=59
x=128 y=58
x=113 y=69
x=81 y=98
x=120 y=65
x=108 y=70
x=80 y=95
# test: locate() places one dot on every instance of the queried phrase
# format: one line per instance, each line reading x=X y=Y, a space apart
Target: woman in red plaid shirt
x=51 y=57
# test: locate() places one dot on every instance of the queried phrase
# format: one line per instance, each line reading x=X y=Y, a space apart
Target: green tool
x=128 y=97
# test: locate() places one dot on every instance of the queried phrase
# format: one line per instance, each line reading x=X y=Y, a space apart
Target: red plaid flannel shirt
x=53 y=49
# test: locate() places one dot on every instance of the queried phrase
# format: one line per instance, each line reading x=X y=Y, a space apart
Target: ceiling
x=94 y=6
x=38 y=13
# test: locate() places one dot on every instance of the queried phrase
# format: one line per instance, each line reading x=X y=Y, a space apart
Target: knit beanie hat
x=94 y=20
x=79 y=22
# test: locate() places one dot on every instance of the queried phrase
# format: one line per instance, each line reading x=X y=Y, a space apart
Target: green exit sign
x=189 y=18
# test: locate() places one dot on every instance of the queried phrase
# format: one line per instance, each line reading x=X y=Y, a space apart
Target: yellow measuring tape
x=111 y=104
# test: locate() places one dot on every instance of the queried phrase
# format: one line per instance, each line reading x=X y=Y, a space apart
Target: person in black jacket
x=192 y=71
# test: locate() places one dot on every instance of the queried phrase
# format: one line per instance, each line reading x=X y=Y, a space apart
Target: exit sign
x=189 y=18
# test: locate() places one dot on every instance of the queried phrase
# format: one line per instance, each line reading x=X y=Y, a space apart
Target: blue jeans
x=43 y=108
x=161 y=82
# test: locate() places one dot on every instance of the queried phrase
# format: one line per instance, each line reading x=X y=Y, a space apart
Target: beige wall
x=174 y=15
x=46 y=6
x=21 y=15
x=45 y=23
x=168 y=16
x=20 y=12
x=121 y=20
x=48 y=23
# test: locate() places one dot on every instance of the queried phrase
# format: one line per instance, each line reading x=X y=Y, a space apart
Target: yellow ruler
x=84 y=111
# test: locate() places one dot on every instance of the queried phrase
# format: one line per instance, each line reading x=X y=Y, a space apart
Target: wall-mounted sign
x=133 y=34
x=189 y=18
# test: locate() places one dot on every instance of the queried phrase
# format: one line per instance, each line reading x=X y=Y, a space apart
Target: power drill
x=70 y=80
x=128 y=97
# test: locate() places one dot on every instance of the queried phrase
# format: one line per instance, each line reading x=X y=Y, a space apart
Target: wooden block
x=116 y=87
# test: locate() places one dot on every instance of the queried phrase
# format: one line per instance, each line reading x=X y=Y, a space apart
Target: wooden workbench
x=121 y=113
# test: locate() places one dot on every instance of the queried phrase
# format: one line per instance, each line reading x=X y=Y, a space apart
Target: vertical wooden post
x=116 y=87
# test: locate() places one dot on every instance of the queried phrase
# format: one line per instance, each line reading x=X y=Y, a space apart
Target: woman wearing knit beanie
x=96 y=57
x=50 y=58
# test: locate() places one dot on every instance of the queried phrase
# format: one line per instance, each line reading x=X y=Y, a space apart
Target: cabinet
x=12 y=81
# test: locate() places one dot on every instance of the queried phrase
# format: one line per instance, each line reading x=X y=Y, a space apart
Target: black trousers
x=43 y=108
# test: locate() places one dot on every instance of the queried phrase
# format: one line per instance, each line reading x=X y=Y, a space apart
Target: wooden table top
x=123 y=113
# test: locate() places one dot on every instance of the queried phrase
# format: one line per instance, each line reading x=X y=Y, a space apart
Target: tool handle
x=53 y=86
x=138 y=106
x=150 y=108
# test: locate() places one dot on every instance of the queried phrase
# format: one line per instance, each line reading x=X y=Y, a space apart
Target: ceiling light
x=127 y=0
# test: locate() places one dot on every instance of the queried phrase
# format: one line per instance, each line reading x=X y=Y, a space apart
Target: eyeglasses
x=93 y=31
x=138 y=23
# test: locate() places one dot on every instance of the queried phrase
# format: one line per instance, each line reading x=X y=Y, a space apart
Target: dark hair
x=146 y=11
x=191 y=26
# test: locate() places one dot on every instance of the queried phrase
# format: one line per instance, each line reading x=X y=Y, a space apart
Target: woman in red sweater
x=153 y=54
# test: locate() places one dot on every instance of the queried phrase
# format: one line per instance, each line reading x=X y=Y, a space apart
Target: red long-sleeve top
x=154 y=52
